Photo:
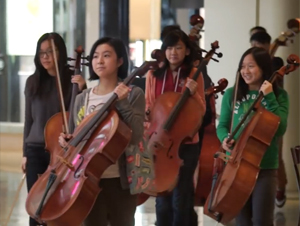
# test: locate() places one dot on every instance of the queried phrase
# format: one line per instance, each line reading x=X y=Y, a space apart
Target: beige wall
x=144 y=19
x=91 y=31
x=229 y=22
x=285 y=10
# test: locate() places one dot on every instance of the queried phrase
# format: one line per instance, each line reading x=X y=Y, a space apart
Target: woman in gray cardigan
x=116 y=203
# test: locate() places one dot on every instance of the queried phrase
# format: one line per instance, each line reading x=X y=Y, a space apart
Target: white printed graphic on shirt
x=95 y=102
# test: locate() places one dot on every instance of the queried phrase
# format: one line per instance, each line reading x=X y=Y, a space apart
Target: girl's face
x=251 y=72
x=176 y=54
x=46 y=55
x=105 y=61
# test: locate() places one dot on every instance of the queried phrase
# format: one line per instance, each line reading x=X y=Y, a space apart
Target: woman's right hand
x=79 y=80
x=24 y=161
x=62 y=139
x=226 y=146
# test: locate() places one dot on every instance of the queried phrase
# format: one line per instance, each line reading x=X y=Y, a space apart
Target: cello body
x=51 y=130
x=236 y=183
x=76 y=187
x=165 y=144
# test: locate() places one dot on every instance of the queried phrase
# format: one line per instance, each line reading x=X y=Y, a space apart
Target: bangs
x=171 y=40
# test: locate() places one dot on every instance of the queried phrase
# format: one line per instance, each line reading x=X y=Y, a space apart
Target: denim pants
x=175 y=208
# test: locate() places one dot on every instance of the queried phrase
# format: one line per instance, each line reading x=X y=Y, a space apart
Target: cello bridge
x=64 y=161
x=224 y=157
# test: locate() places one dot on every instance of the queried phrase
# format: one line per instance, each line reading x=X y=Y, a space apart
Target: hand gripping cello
x=66 y=192
x=232 y=188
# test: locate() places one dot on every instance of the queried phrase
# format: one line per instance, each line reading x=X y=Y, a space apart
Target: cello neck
x=273 y=48
x=75 y=89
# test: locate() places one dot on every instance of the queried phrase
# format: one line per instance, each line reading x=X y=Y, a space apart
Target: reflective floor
x=145 y=214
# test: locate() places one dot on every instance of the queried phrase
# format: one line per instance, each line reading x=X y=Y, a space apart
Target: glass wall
x=22 y=22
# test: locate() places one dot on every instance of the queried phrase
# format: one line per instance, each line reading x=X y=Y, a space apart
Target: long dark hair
x=120 y=49
x=40 y=76
x=263 y=60
x=171 y=39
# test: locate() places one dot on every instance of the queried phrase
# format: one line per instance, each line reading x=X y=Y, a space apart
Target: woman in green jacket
x=255 y=68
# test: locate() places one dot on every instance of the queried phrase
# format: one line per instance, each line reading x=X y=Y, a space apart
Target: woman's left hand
x=122 y=91
x=191 y=85
x=79 y=80
x=266 y=88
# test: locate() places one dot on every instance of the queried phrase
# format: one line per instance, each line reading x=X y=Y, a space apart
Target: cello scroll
x=293 y=63
x=293 y=29
x=223 y=82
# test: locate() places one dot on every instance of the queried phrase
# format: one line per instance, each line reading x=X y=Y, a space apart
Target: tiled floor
x=145 y=214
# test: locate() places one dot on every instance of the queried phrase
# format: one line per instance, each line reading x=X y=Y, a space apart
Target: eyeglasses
x=47 y=53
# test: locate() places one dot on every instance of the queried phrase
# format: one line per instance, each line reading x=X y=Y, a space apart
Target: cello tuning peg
x=70 y=59
x=86 y=58
x=215 y=60
x=219 y=54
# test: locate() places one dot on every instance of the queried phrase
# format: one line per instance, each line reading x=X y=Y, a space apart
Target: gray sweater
x=39 y=109
x=132 y=112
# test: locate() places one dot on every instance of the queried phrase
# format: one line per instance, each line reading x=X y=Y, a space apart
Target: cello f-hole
x=77 y=172
x=169 y=150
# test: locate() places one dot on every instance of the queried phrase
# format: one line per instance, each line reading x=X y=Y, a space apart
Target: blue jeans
x=175 y=208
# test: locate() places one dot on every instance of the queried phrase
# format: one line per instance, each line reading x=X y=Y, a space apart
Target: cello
x=232 y=188
x=210 y=141
x=165 y=136
x=222 y=84
x=293 y=29
x=66 y=192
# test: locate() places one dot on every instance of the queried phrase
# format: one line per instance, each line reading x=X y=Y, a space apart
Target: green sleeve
x=280 y=107
x=225 y=115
